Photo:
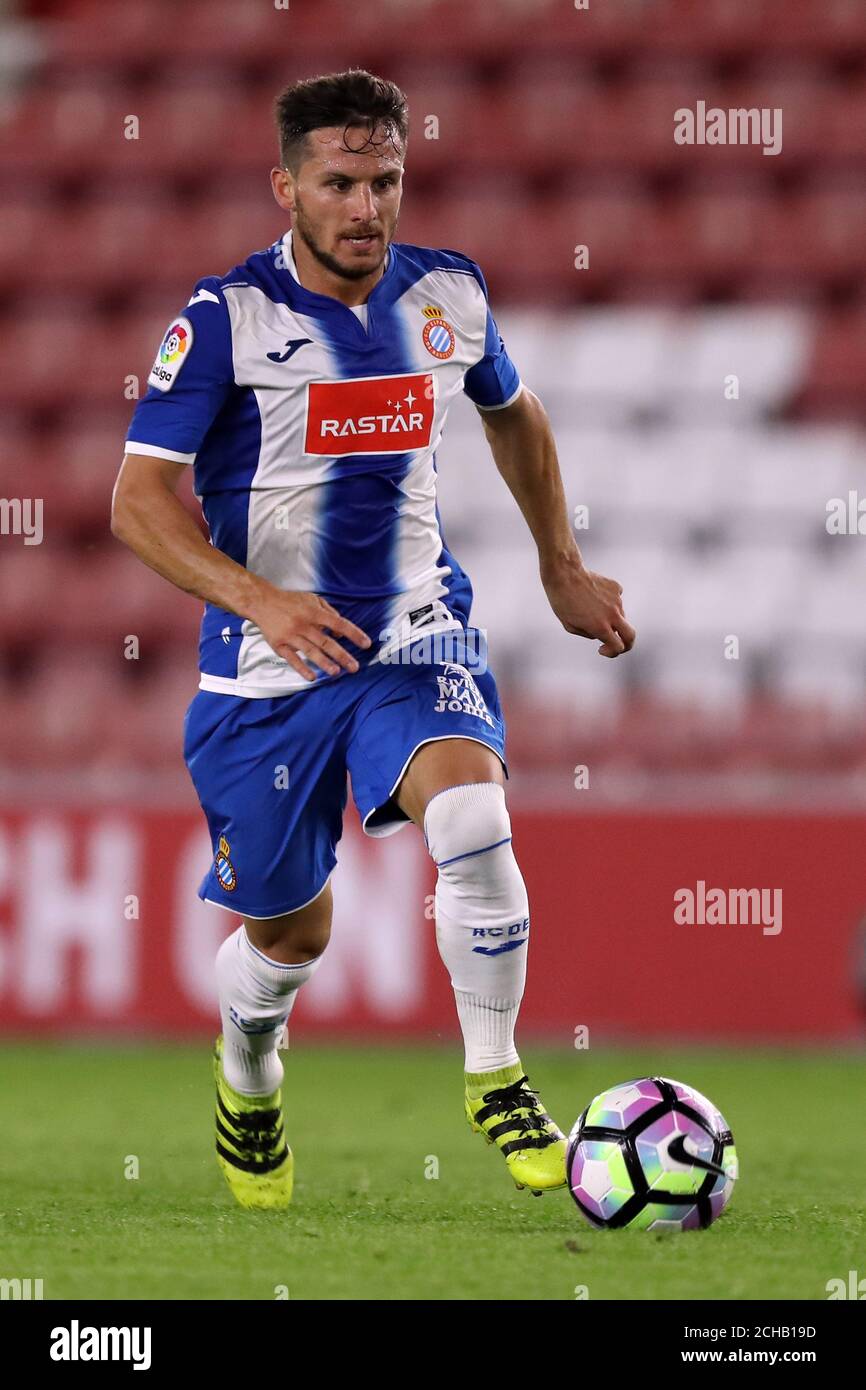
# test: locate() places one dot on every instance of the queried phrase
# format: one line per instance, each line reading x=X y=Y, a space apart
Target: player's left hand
x=589 y=605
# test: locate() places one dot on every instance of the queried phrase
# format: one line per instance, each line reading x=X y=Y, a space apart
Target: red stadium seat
x=79 y=122
x=137 y=34
x=117 y=722
x=845 y=124
x=85 y=460
x=524 y=245
x=111 y=596
x=152 y=733
x=792 y=26
x=182 y=131
x=324 y=30
x=104 y=245
x=23 y=226
x=63 y=359
x=58 y=354
x=31 y=587
x=536 y=127
x=818 y=233
x=834 y=382
x=219 y=232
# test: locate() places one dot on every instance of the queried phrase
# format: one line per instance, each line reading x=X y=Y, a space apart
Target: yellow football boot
x=251 y=1147
x=502 y=1107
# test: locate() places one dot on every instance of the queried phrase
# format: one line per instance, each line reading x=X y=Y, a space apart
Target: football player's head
x=342 y=145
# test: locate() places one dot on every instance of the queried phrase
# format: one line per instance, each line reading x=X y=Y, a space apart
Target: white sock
x=481 y=907
x=256 y=996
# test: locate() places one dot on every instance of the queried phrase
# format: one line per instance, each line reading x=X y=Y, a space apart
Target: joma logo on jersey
x=459 y=694
x=370 y=415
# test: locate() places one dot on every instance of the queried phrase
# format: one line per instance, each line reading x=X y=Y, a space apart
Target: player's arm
x=523 y=447
x=147 y=516
x=519 y=434
x=190 y=381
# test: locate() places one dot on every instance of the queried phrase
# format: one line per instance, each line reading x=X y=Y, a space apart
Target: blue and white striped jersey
x=313 y=429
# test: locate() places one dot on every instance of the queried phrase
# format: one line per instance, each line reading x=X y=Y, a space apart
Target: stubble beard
x=336 y=267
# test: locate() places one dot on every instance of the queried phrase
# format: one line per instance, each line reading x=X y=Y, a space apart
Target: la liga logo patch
x=173 y=352
x=175 y=343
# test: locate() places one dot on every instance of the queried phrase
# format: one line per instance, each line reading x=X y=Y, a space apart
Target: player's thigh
x=450 y=762
x=410 y=711
x=271 y=779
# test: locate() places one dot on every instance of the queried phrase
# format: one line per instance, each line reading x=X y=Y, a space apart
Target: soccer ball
x=652 y=1154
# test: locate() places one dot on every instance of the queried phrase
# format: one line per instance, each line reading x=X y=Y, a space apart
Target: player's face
x=346 y=205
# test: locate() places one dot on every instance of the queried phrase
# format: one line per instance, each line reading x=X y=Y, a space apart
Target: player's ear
x=282 y=187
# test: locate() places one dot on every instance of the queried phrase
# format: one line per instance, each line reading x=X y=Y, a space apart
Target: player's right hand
x=298 y=625
x=589 y=605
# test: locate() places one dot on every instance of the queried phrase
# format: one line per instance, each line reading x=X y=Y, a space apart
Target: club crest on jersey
x=370 y=415
x=438 y=335
x=225 y=869
x=458 y=694
x=173 y=352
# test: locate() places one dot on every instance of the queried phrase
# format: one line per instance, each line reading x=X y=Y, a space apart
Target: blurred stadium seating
x=555 y=130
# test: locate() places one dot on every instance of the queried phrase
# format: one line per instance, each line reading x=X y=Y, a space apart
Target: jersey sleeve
x=494 y=381
x=190 y=379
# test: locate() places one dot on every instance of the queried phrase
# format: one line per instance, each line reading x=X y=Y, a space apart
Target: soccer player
x=309 y=388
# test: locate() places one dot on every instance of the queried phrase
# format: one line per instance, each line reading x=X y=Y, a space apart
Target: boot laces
x=509 y=1100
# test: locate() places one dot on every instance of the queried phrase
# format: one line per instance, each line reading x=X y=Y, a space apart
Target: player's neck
x=317 y=278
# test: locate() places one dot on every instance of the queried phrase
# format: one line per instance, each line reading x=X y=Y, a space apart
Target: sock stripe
x=472 y=853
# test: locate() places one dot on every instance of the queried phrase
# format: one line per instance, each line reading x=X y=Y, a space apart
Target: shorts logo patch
x=439 y=338
x=370 y=415
x=458 y=694
x=225 y=869
x=173 y=352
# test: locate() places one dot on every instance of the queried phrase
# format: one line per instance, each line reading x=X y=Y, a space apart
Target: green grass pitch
x=366 y=1223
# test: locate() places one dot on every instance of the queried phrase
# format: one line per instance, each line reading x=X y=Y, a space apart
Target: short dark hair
x=351 y=98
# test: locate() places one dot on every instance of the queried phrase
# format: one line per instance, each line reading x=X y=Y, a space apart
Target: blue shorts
x=271 y=773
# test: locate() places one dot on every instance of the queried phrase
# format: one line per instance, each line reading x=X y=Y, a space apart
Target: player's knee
x=294 y=937
x=466 y=820
x=468 y=833
x=299 y=940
